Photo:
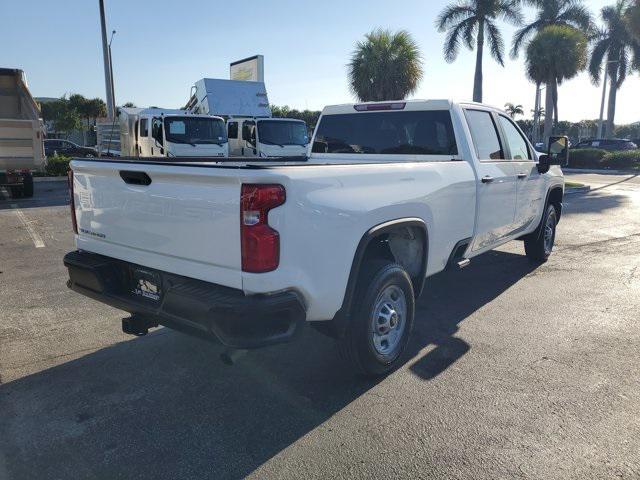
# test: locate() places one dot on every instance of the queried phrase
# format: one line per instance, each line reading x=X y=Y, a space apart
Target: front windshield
x=195 y=130
x=274 y=132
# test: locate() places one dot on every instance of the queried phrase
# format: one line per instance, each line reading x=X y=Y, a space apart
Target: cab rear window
x=391 y=133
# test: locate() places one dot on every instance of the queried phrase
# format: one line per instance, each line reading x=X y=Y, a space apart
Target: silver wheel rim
x=548 y=234
x=389 y=320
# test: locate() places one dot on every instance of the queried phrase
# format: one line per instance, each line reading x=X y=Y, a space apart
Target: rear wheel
x=383 y=318
x=27 y=188
x=16 y=191
x=539 y=244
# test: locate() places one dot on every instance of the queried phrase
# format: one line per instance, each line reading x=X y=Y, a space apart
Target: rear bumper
x=190 y=305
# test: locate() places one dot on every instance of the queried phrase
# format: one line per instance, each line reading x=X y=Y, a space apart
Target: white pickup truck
x=248 y=250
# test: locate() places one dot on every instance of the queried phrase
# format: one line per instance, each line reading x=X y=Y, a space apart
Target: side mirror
x=558 y=151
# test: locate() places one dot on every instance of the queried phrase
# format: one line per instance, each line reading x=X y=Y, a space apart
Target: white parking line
x=37 y=239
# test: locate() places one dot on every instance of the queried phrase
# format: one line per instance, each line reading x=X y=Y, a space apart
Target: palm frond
x=496 y=44
x=452 y=42
x=597 y=57
x=522 y=35
x=510 y=11
x=452 y=14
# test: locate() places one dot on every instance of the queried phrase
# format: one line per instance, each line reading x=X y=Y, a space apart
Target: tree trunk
x=536 y=115
x=477 y=79
x=555 y=103
x=611 y=107
x=548 y=110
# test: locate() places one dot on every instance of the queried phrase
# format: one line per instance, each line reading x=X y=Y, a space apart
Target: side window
x=144 y=127
x=517 y=144
x=232 y=130
x=156 y=130
x=249 y=132
x=484 y=134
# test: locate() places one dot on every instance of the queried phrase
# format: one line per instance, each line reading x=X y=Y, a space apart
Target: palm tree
x=513 y=110
x=555 y=54
x=385 y=66
x=468 y=21
x=618 y=51
x=553 y=12
x=571 y=13
x=633 y=19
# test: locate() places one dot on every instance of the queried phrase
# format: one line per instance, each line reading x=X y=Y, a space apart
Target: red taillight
x=260 y=243
x=72 y=203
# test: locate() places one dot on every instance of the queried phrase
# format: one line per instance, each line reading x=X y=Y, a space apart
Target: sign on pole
x=249 y=69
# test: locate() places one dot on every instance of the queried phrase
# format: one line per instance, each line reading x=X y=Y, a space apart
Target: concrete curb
x=601 y=170
x=584 y=188
x=49 y=179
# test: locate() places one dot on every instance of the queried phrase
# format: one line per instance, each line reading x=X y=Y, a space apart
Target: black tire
x=539 y=244
x=27 y=189
x=379 y=280
x=16 y=192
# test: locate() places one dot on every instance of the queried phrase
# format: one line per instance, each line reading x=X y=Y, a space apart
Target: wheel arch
x=554 y=197
x=368 y=247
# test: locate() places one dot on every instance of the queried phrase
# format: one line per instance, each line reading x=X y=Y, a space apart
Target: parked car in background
x=610 y=144
x=68 y=149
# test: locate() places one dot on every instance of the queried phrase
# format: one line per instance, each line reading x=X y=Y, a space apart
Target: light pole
x=604 y=93
x=536 y=113
x=113 y=91
x=107 y=69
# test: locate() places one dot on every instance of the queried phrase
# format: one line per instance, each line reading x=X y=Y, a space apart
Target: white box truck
x=251 y=129
x=21 y=134
x=155 y=132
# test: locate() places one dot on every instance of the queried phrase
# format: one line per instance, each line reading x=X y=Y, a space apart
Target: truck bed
x=20 y=145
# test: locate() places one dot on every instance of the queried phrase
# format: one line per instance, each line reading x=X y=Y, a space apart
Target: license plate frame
x=146 y=284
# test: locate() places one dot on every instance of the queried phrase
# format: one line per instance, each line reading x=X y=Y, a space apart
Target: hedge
x=586 y=158
x=628 y=159
x=57 y=165
x=597 y=158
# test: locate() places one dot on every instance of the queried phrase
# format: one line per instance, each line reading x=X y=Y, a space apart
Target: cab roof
x=399 y=105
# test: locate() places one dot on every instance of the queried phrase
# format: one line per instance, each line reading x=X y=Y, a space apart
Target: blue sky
x=162 y=47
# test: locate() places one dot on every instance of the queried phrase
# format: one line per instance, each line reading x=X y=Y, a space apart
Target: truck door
x=529 y=184
x=157 y=137
x=496 y=182
x=232 y=137
x=144 y=150
x=249 y=144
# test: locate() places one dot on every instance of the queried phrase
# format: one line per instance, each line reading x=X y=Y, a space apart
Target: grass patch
x=573 y=184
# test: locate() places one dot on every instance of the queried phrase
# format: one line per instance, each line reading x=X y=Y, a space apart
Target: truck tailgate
x=186 y=220
x=20 y=145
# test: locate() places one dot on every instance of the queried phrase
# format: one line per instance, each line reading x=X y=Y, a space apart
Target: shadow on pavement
x=164 y=406
x=452 y=296
x=46 y=194
x=615 y=183
x=591 y=202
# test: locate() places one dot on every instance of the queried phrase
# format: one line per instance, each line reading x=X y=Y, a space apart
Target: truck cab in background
x=267 y=137
x=21 y=134
x=155 y=132
x=251 y=129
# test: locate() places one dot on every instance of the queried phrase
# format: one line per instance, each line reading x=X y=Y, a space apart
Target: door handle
x=487 y=179
x=522 y=175
x=135 y=178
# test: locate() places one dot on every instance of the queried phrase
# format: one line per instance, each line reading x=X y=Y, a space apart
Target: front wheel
x=383 y=319
x=539 y=244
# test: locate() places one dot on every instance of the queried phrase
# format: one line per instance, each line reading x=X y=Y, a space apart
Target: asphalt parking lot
x=515 y=371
